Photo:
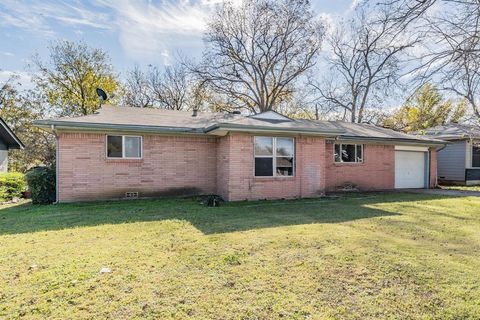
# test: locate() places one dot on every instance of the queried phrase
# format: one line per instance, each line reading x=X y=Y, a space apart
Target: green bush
x=41 y=183
x=12 y=184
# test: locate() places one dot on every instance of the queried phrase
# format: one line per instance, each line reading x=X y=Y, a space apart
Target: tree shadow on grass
x=236 y=216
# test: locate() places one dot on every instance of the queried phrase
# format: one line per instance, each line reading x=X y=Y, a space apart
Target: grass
x=381 y=256
x=462 y=188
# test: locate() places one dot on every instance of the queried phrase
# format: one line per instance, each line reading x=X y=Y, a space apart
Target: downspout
x=56 y=161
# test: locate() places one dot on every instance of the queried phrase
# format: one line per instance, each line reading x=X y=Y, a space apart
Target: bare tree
x=452 y=56
x=406 y=12
x=365 y=62
x=137 y=90
x=256 y=51
x=170 y=88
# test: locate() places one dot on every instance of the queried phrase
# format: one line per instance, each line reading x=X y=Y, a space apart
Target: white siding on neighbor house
x=3 y=160
x=451 y=161
x=3 y=157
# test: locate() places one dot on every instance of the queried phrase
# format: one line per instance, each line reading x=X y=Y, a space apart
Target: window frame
x=473 y=145
x=274 y=158
x=123 y=147
x=349 y=162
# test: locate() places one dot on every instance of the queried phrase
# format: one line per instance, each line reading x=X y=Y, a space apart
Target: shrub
x=41 y=183
x=12 y=184
x=214 y=201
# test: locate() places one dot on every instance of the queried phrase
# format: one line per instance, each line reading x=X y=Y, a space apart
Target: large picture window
x=476 y=156
x=348 y=152
x=274 y=156
x=127 y=147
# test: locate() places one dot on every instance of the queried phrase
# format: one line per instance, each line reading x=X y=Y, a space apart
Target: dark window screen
x=114 y=146
x=263 y=167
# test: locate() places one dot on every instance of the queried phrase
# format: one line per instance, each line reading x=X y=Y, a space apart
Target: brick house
x=129 y=152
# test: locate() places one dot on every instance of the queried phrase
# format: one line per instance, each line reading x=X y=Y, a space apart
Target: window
x=274 y=156
x=348 y=152
x=128 y=147
x=476 y=156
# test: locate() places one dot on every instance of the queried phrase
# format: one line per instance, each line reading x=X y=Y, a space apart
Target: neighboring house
x=129 y=152
x=459 y=161
x=8 y=140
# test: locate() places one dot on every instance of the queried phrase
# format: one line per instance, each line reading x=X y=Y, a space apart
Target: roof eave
x=70 y=125
x=395 y=140
x=244 y=128
x=220 y=129
x=459 y=138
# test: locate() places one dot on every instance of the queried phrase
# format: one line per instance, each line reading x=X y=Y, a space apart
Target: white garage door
x=409 y=169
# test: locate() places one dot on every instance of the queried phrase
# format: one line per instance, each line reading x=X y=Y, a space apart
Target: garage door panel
x=409 y=169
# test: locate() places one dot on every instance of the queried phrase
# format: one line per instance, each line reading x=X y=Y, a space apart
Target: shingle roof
x=452 y=131
x=364 y=130
x=288 y=125
x=150 y=117
x=159 y=120
x=179 y=121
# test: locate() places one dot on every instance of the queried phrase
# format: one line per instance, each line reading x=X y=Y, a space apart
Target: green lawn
x=462 y=188
x=395 y=256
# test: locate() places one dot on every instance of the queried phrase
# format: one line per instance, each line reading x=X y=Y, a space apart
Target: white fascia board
x=411 y=148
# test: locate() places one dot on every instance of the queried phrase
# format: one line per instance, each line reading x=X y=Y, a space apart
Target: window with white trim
x=348 y=152
x=274 y=156
x=124 y=147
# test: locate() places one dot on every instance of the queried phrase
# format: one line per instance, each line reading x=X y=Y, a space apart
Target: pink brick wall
x=223 y=167
x=377 y=172
x=236 y=170
x=185 y=165
x=170 y=165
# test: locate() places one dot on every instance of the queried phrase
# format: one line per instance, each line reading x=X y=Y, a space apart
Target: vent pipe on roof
x=195 y=111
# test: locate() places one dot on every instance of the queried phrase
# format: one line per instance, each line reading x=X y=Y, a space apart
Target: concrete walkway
x=445 y=192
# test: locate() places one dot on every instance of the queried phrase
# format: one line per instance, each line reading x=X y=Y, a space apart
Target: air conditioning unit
x=131 y=195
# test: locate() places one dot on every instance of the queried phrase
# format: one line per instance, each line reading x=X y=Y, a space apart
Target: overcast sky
x=132 y=32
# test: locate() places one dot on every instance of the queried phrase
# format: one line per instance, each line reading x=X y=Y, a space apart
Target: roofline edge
x=14 y=136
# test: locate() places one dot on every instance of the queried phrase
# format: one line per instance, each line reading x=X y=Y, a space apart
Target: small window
x=114 y=146
x=274 y=156
x=476 y=156
x=348 y=153
x=128 y=147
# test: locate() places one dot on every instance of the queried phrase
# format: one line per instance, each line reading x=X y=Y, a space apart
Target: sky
x=136 y=32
